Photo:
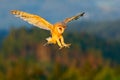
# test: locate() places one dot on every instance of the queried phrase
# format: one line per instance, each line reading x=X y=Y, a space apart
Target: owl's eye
x=60 y=30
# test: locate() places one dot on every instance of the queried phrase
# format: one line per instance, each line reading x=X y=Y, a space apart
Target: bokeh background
x=95 y=37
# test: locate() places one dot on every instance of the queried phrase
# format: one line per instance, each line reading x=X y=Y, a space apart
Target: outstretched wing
x=33 y=19
x=73 y=17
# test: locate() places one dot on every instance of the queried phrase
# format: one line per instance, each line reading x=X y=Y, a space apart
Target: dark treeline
x=23 y=57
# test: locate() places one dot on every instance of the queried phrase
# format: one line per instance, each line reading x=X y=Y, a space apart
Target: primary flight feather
x=56 y=29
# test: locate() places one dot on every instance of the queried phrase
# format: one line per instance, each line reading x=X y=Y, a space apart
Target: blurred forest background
x=90 y=57
x=95 y=38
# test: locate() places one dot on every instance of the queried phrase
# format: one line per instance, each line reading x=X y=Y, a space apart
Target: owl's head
x=60 y=27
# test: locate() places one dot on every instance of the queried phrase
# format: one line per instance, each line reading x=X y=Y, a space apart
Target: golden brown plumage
x=56 y=29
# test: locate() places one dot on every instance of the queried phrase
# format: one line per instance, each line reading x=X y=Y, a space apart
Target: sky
x=57 y=10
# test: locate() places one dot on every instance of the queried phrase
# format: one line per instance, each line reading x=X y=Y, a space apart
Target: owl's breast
x=56 y=33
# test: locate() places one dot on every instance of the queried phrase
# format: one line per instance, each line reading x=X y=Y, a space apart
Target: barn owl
x=56 y=29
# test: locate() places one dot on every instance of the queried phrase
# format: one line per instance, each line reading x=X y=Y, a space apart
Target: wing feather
x=33 y=19
x=73 y=17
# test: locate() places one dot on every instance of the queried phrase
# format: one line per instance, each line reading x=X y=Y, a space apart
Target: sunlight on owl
x=56 y=29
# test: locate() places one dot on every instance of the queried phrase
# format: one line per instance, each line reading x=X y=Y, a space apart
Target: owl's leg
x=59 y=43
x=63 y=43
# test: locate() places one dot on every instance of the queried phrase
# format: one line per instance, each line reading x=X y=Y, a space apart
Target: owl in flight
x=56 y=29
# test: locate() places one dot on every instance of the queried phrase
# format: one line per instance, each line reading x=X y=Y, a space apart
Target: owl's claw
x=67 y=45
x=45 y=44
x=60 y=48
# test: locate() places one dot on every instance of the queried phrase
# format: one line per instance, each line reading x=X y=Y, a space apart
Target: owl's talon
x=60 y=48
x=67 y=45
x=45 y=44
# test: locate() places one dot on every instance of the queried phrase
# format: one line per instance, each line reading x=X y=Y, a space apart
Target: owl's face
x=60 y=27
